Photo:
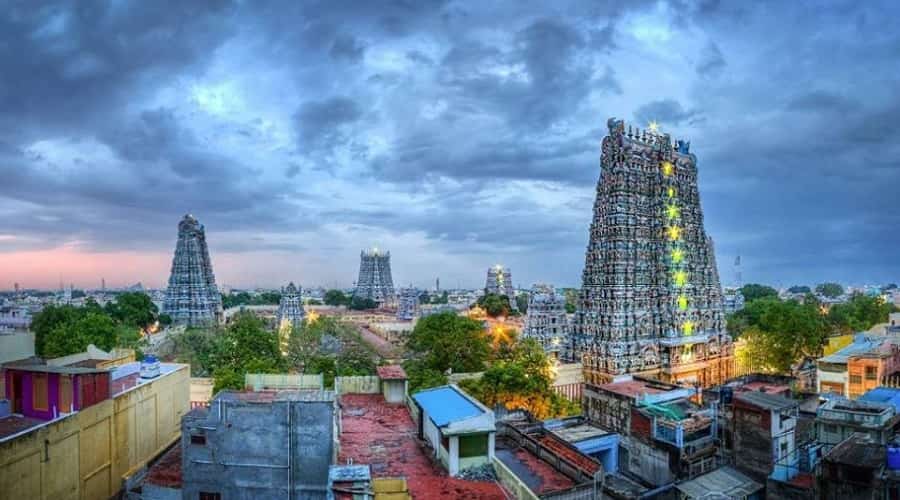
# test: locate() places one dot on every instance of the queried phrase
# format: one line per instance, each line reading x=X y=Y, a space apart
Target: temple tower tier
x=375 y=281
x=650 y=300
x=192 y=297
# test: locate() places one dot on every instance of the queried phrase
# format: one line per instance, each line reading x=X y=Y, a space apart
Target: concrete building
x=839 y=418
x=91 y=450
x=592 y=440
x=871 y=358
x=764 y=435
x=857 y=469
x=263 y=445
x=458 y=427
x=393 y=383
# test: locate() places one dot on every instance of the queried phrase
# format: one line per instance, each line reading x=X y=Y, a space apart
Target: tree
x=336 y=298
x=495 y=305
x=196 y=347
x=521 y=377
x=77 y=332
x=358 y=303
x=246 y=346
x=830 y=290
x=46 y=321
x=753 y=291
x=799 y=289
x=571 y=295
x=779 y=333
x=447 y=341
x=522 y=303
x=165 y=320
x=858 y=314
x=133 y=309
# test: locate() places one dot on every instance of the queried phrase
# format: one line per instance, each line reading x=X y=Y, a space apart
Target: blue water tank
x=893 y=457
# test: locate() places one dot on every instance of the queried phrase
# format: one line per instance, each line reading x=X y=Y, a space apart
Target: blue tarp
x=887 y=395
x=445 y=405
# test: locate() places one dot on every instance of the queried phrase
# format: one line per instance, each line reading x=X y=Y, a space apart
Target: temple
x=375 y=281
x=407 y=304
x=499 y=282
x=290 y=312
x=192 y=297
x=650 y=301
x=545 y=319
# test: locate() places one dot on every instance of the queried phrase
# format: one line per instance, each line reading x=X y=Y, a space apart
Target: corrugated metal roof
x=861 y=344
x=724 y=481
x=445 y=404
x=881 y=395
x=767 y=401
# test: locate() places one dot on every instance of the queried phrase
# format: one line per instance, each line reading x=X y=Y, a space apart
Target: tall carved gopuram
x=192 y=297
x=650 y=301
x=375 y=281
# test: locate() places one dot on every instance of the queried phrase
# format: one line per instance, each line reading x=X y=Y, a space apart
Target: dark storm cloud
x=104 y=140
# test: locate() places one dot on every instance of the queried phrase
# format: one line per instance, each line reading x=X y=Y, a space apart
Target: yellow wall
x=837 y=343
x=91 y=451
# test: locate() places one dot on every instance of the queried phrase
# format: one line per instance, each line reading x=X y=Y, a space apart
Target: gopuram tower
x=650 y=301
x=192 y=297
x=375 y=281
x=499 y=282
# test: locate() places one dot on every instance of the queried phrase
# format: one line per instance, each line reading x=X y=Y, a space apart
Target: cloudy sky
x=455 y=134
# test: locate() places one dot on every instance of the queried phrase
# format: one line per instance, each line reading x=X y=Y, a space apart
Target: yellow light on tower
x=671 y=192
x=654 y=126
x=674 y=233
x=672 y=211
x=677 y=255
x=680 y=278
x=667 y=168
x=682 y=302
x=687 y=327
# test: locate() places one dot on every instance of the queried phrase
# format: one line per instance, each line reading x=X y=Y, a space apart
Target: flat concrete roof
x=580 y=433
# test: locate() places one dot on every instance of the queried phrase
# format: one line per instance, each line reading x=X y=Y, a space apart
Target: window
x=871 y=372
x=204 y=495
x=198 y=439
x=39 y=391
x=784 y=449
x=855 y=379
x=473 y=446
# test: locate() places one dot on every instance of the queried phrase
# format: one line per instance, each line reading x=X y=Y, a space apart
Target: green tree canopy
x=77 y=332
x=447 y=341
x=571 y=295
x=495 y=305
x=778 y=333
x=246 y=346
x=133 y=309
x=358 y=303
x=799 y=289
x=522 y=303
x=336 y=298
x=830 y=290
x=753 y=291
x=858 y=314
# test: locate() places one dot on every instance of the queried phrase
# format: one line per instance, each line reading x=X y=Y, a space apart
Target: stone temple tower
x=375 y=281
x=545 y=319
x=499 y=282
x=650 y=301
x=407 y=304
x=290 y=308
x=192 y=297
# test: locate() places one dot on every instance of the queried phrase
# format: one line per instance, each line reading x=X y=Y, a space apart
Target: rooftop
x=128 y=376
x=268 y=397
x=724 y=481
x=861 y=344
x=760 y=386
x=13 y=424
x=391 y=372
x=448 y=404
x=637 y=388
x=581 y=432
x=858 y=450
x=887 y=395
x=767 y=401
x=537 y=474
x=166 y=472
x=384 y=436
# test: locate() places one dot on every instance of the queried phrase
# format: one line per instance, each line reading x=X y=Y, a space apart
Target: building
x=499 y=282
x=407 y=304
x=650 y=301
x=192 y=297
x=839 y=418
x=763 y=426
x=733 y=300
x=375 y=281
x=859 y=366
x=393 y=383
x=545 y=319
x=80 y=432
x=724 y=482
x=458 y=427
x=592 y=440
x=268 y=445
x=858 y=469
x=290 y=314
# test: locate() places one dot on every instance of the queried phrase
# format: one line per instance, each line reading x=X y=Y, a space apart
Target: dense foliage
x=245 y=299
x=571 y=295
x=246 y=346
x=799 y=289
x=426 y=298
x=522 y=303
x=358 y=303
x=336 y=298
x=830 y=290
x=753 y=291
x=64 y=330
x=445 y=343
x=858 y=314
x=495 y=305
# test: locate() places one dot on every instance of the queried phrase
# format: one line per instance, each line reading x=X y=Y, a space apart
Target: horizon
x=300 y=134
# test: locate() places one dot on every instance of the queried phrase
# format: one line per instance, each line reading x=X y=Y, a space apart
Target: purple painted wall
x=28 y=408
